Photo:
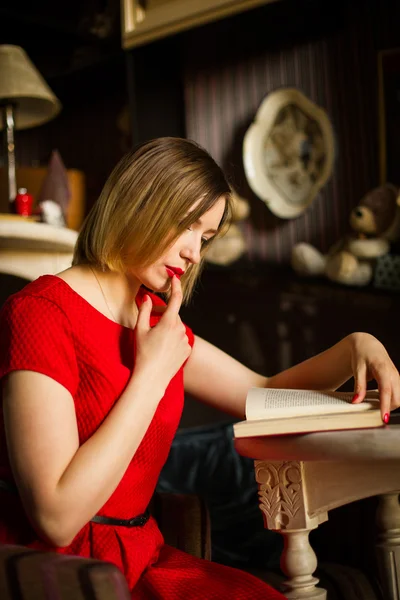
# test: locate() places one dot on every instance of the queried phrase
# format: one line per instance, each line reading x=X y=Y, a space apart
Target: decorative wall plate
x=288 y=152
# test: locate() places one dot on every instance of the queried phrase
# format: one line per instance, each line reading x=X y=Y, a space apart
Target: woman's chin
x=158 y=286
x=166 y=287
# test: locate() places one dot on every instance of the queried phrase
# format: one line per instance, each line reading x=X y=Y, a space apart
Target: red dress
x=49 y=328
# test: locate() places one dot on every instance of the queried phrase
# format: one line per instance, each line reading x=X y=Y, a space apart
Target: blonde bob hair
x=146 y=204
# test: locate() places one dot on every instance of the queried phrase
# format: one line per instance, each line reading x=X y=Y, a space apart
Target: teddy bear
x=230 y=247
x=375 y=224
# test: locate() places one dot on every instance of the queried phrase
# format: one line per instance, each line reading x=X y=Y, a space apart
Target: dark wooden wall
x=207 y=84
x=327 y=50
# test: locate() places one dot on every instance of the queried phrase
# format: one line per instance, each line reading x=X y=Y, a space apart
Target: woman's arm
x=215 y=378
x=62 y=484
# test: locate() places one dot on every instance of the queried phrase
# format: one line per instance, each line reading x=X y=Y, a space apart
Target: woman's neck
x=119 y=294
x=112 y=294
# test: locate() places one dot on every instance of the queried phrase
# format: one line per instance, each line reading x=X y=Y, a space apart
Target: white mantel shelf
x=29 y=249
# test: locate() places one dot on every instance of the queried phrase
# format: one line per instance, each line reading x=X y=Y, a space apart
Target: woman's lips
x=171 y=271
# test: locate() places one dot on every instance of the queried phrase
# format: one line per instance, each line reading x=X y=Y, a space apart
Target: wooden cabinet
x=146 y=20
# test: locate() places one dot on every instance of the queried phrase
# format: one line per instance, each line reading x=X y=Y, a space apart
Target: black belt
x=138 y=521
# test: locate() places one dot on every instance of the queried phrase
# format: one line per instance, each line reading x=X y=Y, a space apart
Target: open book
x=281 y=411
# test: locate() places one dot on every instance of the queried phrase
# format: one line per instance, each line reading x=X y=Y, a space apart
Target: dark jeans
x=203 y=461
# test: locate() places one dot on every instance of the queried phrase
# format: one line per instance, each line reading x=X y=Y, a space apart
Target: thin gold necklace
x=104 y=296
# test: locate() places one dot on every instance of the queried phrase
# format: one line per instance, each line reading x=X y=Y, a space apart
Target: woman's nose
x=192 y=252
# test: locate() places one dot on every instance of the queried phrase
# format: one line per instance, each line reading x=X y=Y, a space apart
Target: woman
x=94 y=366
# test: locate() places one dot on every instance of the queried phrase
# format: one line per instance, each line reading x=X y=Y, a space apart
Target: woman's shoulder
x=44 y=301
x=47 y=289
x=36 y=334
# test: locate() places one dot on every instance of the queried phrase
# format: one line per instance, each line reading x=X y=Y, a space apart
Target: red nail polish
x=355 y=397
x=386 y=418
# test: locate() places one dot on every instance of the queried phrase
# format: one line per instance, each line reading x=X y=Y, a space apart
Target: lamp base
x=8 y=120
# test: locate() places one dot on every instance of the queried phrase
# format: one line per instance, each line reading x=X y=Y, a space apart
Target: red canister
x=23 y=203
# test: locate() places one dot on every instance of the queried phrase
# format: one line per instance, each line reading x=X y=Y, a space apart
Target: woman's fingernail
x=386 y=418
x=355 y=397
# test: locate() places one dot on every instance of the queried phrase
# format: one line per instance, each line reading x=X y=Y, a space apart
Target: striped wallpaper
x=338 y=72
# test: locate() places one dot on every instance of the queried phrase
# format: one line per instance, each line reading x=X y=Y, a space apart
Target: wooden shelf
x=144 y=22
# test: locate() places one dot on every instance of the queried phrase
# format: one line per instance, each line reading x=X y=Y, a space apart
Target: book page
x=263 y=403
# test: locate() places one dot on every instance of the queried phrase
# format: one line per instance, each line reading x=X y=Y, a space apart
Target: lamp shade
x=22 y=85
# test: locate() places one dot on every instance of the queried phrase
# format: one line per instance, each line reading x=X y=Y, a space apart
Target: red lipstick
x=171 y=271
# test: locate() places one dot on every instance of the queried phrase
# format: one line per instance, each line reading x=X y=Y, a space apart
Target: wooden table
x=302 y=477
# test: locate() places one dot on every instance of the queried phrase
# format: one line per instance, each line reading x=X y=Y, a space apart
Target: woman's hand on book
x=370 y=360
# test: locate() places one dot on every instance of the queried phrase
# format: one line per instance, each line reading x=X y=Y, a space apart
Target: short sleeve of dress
x=36 y=335
x=190 y=335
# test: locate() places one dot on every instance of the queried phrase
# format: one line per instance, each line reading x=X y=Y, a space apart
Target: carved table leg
x=388 y=544
x=283 y=502
x=299 y=562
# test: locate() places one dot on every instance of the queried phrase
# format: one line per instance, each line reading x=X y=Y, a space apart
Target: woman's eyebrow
x=200 y=222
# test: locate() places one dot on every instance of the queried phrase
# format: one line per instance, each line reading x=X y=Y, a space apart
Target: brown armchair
x=30 y=575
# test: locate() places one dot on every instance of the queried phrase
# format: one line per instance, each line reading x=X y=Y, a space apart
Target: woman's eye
x=204 y=240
